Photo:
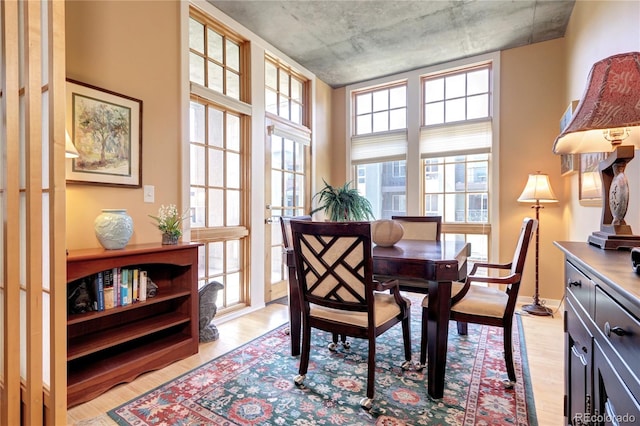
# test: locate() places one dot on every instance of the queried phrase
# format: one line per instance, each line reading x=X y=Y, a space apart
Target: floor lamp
x=538 y=190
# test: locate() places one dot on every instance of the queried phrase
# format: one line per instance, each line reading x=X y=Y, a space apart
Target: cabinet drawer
x=619 y=327
x=578 y=331
x=580 y=286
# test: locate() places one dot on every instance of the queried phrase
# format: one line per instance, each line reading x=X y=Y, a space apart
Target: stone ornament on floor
x=208 y=295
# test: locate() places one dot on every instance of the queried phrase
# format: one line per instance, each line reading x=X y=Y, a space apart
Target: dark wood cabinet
x=116 y=345
x=602 y=336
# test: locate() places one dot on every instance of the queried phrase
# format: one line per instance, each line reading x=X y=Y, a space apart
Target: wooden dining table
x=429 y=267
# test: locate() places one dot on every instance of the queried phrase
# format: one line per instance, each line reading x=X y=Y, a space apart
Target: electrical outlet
x=149 y=193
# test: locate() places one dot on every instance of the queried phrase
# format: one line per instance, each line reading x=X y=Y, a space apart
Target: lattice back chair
x=428 y=228
x=339 y=295
x=294 y=294
x=425 y=228
x=489 y=305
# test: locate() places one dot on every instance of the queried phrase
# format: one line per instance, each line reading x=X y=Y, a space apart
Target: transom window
x=456 y=97
x=381 y=110
x=214 y=57
x=284 y=92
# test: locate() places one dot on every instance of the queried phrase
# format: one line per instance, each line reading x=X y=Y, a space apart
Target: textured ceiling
x=344 y=42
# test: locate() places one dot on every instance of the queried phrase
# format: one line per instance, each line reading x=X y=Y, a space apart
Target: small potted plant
x=169 y=222
x=343 y=203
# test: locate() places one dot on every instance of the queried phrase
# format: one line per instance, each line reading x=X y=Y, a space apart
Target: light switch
x=149 y=193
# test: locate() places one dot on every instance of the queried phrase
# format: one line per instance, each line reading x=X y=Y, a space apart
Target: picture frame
x=589 y=180
x=106 y=129
x=569 y=163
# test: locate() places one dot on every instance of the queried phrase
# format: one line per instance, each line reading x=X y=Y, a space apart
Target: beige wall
x=531 y=104
x=131 y=48
x=598 y=29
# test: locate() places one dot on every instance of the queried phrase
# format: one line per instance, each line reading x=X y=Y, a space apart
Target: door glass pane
x=276 y=188
x=197 y=202
x=196 y=122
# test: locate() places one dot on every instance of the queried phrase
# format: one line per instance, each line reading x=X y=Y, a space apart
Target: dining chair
x=294 y=295
x=426 y=228
x=488 y=305
x=295 y=326
x=334 y=262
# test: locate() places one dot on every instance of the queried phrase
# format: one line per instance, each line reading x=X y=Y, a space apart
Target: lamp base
x=607 y=241
x=537 y=310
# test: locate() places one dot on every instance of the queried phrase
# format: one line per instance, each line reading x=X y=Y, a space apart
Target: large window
x=218 y=136
x=422 y=146
x=379 y=147
x=455 y=147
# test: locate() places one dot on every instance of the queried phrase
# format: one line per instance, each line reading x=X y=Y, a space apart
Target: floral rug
x=253 y=385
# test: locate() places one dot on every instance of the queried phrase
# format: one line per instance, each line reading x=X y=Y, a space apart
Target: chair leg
x=304 y=356
x=423 y=339
x=508 y=354
x=367 y=402
x=462 y=328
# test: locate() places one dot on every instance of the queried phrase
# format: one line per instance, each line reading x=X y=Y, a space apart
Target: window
x=455 y=147
x=422 y=146
x=284 y=92
x=381 y=110
x=218 y=159
x=214 y=57
x=379 y=146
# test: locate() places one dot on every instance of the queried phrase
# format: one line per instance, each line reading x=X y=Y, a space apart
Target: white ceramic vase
x=114 y=228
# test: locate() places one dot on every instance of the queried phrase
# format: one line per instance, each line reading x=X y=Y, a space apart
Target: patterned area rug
x=253 y=385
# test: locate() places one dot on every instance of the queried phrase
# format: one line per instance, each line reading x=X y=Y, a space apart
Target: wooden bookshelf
x=116 y=345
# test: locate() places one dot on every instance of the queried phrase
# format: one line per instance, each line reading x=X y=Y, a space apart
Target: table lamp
x=538 y=190
x=607 y=119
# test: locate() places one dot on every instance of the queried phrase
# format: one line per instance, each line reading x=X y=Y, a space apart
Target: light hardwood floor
x=543 y=336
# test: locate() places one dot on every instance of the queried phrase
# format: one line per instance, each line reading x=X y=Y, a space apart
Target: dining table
x=427 y=267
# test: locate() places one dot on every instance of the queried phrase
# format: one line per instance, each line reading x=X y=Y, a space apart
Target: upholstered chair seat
x=385 y=308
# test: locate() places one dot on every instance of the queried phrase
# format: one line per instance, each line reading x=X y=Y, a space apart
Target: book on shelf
x=116 y=287
x=98 y=291
x=124 y=287
x=136 y=273
x=108 y=289
x=142 y=290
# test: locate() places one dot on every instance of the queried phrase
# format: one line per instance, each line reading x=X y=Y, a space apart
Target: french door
x=287 y=187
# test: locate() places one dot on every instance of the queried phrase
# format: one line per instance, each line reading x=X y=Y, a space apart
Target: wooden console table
x=105 y=348
x=602 y=336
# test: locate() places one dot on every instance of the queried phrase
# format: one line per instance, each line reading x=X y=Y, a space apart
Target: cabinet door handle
x=574 y=283
x=618 y=331
x=578 y=355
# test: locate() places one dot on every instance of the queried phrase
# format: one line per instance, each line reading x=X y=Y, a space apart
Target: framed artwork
x=106 y=129
x=589 y=181
x=569 y=163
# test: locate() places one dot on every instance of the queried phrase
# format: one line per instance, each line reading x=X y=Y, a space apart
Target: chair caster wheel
x=332 y=347
x=508 y=384
x=287 y=331
x=299 y=379
x=406 y=365
x=366 y=403
x=346 y=345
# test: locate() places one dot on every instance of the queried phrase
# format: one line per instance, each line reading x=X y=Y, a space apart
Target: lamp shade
x=70 y=150
x=538 y=189
x=610 y=101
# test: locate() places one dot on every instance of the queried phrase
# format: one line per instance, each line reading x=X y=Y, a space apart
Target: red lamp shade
x=611 y=102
